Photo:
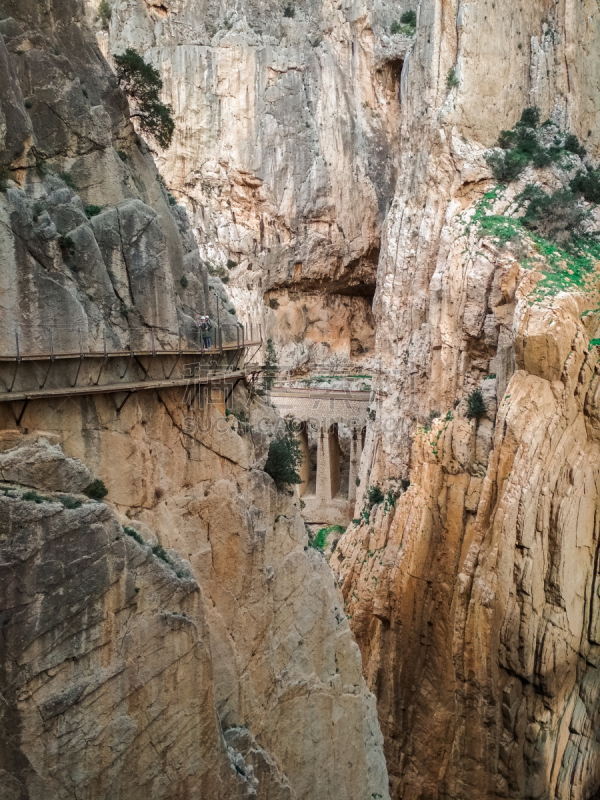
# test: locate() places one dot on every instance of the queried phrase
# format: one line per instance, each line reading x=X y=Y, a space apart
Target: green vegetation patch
x=92 y=211
x=528 y=143
x=96 y=490
x=142 y=83
x=407 y=25
x=34 y=497
x=134 y=534
x=284 y=460
x=475 y=404
x=319 y=542
x=553 y=227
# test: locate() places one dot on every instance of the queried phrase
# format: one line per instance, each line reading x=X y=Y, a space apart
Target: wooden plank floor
x=213 y=351
x=135 y=386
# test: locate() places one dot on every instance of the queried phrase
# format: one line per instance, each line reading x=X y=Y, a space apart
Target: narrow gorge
x=299 y=400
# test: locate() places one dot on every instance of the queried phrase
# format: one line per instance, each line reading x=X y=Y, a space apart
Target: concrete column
x=356 y=448
x=328 y=463
x=304 y=471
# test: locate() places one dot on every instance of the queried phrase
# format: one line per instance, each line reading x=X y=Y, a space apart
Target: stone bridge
x=330 y=426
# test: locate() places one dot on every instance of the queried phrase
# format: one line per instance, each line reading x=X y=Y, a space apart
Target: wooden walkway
x=129 y=353
x=133 y=386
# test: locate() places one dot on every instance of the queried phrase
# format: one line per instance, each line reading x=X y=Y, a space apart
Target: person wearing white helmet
x=205 y=327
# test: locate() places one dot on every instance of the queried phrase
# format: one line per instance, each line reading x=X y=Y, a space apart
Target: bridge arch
x=330 y=427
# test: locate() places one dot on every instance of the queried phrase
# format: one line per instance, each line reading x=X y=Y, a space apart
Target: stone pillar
x=304 y=471
x=328 y=463
x=356 y=448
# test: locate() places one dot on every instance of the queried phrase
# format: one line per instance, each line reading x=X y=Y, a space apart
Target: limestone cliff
x=181 y=639
x=91 y=244
x=474 y=593
x=286 y=152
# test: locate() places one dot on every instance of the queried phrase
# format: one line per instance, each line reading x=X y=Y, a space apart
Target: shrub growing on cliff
x=67 y=246
x=96 y=490
x=142 y=83
x=104 y=13
x=475 y=404
x=289 y=10
x=374 y=495
x=452 y=79
x=284 y=460
x=92 y=211
x=587 y=184
x=134 y=535
x=34 y=497
x=556 y=216
x=270 y=366
x=71 y=502
x=524 y=145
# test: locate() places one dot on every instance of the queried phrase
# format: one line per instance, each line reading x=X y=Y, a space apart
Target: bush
x=134 y=535
x=67 y=246
x=34 y=497
x=404 y=483
x=506 y=167
x=183 y=282
x=555 y=216
x=588 y=185
x=96 y=490
x=92 y=211
x=66 y=178
x=231 y=264
x=289 y=10
x=160 y=552
x=273 y=303
x=530 y=117
x=71 y=502
x=522 y=146
x=374 y=495
x=452 y=80
x=122 y=155
x=284 y=460
x=409 y=18
x=104 y=13
x=475 y=404
x=172 y=200
x=573 y=145
x=142 y=83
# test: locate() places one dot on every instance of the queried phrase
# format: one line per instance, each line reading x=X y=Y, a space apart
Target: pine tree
x=142 y=83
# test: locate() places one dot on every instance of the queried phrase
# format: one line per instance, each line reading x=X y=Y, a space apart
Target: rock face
x=474 y=594
x=91 y=246
x=182 y=640
x=286 y=152
x=124 y=660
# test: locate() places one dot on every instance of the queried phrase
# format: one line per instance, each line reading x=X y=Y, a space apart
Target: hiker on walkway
x=206 y=328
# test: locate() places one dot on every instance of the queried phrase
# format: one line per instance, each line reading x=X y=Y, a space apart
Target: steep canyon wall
x=286 y=153
x=474 y=593
x=181 y=639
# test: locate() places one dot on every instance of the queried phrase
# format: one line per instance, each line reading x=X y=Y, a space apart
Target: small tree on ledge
x=142 y=83
x=284 y=461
